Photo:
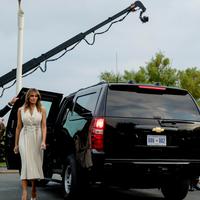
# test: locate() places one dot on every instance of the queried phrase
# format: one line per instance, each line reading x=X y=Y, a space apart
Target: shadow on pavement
x=54 y=191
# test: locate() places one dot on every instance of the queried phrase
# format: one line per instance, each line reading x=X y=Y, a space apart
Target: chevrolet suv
x=123 y=134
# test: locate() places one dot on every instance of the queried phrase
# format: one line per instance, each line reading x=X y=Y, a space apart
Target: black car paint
x=125 y=139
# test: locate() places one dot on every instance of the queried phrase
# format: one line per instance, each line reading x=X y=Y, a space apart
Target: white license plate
x=156 y=140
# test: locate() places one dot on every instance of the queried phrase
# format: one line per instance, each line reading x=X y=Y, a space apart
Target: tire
x=175 y=189
x=70 y=184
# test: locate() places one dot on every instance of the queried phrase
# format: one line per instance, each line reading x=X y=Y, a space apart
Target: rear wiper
x=165 y=121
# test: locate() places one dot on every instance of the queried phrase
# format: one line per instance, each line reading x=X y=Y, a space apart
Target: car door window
x=47 y=105
x=84 y=105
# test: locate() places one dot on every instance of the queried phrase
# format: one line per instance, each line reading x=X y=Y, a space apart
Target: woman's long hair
x=27 y=97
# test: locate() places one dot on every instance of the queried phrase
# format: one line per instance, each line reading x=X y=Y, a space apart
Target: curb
x=8 y=171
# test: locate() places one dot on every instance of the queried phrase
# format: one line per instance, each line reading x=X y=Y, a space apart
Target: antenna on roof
x=116 y=64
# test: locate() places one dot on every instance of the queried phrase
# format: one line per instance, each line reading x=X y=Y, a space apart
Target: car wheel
x=175 y=189
x=70 y=178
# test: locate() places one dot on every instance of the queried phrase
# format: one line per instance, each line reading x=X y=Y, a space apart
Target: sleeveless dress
x=30 y=140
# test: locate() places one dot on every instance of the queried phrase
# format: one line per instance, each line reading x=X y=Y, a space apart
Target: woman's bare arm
x=17 y=132
x=44 y=129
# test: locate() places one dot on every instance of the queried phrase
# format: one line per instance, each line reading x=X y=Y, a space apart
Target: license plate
x=156 y=140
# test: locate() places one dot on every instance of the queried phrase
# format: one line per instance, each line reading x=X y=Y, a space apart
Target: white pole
x=20 y=48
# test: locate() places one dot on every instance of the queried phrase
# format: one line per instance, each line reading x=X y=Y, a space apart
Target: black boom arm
x=35 y=62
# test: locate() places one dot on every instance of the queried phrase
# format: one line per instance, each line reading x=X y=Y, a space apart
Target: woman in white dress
x=30 y=140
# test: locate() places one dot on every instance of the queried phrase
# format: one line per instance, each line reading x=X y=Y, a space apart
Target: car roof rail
x=102 y=82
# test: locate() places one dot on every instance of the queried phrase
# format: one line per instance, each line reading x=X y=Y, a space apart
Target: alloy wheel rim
x=68 y=179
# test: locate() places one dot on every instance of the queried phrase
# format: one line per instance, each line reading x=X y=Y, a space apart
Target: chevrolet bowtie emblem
x=158 y=129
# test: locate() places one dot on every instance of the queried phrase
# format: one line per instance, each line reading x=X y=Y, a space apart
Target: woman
x=30 y=140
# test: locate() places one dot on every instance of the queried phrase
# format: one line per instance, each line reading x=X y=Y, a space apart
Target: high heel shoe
x=34 y=198
x=35 y=195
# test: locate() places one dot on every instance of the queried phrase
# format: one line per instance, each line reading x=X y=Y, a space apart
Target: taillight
x=151 y=87
x=97 y=133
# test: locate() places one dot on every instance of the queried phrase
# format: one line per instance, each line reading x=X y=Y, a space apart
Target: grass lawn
x=2 y=164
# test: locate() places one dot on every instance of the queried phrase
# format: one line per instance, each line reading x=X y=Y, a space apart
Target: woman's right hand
x=16 y=149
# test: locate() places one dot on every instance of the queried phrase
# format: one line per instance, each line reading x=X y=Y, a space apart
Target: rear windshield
x=147 y=104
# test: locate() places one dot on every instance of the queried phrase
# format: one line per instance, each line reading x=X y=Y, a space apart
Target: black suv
x=122 y=134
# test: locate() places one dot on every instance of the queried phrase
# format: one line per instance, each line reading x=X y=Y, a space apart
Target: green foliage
x=110 y=77
x=159 y=69
x=190 y=80
x=2 y=148
x=2 y=164
x=138 y=77
x=128 y=75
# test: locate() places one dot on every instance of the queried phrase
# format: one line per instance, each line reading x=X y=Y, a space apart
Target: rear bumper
x=154 y=161
x=154 y=169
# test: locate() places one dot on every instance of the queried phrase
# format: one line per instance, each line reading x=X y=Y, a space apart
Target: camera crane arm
x=35 y=62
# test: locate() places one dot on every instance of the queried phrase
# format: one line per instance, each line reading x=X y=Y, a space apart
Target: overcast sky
x=173 y=29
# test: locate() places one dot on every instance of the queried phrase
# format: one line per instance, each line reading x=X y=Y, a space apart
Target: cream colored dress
x=30 y=140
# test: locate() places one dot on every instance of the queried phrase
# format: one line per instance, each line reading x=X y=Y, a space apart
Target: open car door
x=51 y=101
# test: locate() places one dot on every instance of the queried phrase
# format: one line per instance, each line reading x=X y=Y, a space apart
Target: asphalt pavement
x=10 y=189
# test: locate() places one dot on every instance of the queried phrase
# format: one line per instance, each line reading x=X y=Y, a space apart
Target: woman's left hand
x=43 y=146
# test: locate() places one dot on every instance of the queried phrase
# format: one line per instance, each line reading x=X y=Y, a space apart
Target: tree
x=111 y=77
x=159 y=70
x=137 y=77
x=189 y=79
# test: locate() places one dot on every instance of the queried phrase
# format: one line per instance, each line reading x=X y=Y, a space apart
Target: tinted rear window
x=149 y=104
x=85 y=104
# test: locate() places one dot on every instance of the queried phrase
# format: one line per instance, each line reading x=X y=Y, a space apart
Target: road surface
x=10 y=189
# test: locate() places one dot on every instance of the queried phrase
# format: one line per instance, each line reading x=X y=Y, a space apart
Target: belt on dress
x=31 y=127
